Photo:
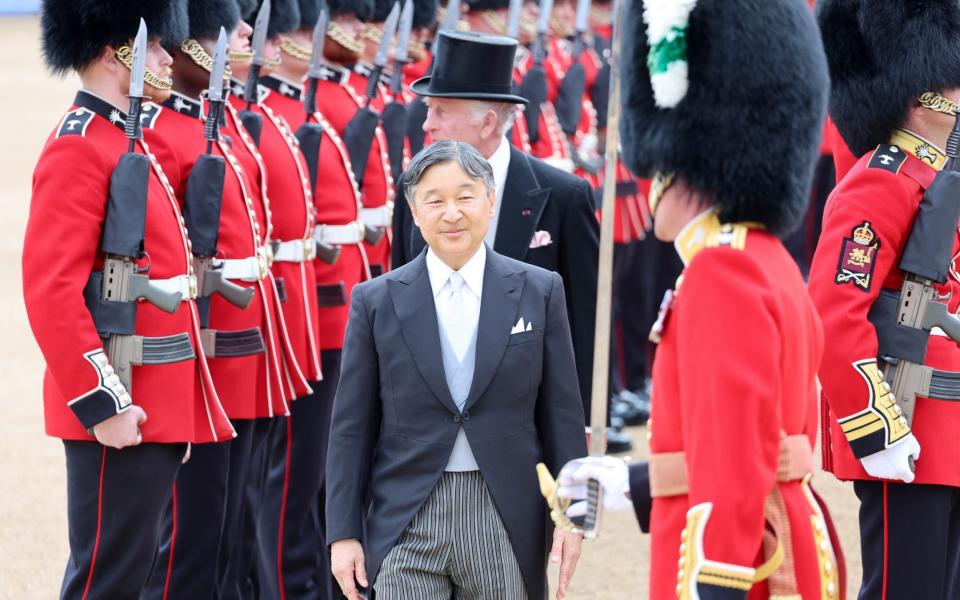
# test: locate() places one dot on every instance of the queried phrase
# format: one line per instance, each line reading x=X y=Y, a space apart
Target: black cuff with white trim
x=95 y=408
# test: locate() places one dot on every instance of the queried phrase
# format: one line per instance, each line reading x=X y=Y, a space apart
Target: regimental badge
x=148 y=114
x=75 y=122
x=858 y=257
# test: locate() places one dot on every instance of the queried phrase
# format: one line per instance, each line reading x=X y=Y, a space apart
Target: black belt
x=281 y=288
x=232 y=344
x=329 y=296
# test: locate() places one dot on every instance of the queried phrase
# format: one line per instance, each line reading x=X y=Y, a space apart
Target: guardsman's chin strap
x=937 y=103
x=124 y=54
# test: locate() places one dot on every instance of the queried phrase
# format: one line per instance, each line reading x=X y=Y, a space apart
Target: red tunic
x=378 y=184
x=249 y=386
x=254 y=174
x=866 y=223
x=735 y=374
x=291 y=202
x=337 y=202
x=62 y=248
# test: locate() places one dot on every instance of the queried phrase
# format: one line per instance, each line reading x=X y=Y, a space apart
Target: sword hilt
x=591 y=521
x=310 y=97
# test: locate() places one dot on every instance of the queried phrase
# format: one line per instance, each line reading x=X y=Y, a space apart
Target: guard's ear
x=108 y=58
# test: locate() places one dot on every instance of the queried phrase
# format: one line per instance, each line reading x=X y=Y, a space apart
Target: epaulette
x=887 y=157
x=729 y=235
x=148 y=114
x=75 y=122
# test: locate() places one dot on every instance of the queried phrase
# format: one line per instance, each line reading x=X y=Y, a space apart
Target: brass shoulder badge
x=858 y=257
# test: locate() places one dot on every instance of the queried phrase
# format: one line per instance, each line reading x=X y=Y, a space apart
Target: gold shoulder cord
x=197 y=54
x=336 y=33
x=291 y=47
x=124 y=55
x=938 y=103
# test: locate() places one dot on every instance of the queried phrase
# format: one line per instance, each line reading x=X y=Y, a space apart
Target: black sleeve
x=640 y=494
x=354 y=427
x=402 y=222
x=559 y=414
x=579 y=257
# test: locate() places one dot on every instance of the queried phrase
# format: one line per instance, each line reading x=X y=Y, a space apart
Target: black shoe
x=630 y=413
x=618 y=442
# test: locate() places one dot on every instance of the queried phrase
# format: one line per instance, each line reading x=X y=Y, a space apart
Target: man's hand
x=609 y=471
x=894 y=462
x=566 y=551
x=121 y=430
x=346 y=563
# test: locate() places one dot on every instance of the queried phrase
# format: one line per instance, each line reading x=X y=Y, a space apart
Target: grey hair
x=466 y=156
x=505 y=112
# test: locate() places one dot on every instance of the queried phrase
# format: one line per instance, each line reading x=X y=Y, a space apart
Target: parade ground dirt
x=33 y=529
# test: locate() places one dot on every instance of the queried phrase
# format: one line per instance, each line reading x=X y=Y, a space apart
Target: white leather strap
x=244 y=269
x=296 y=251
x=376 y=217
x=351 y=233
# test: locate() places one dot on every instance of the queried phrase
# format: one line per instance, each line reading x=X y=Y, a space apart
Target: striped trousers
x=455 y=547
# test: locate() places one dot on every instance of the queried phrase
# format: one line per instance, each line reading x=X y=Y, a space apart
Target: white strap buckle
x=380 y=216
x=351 y=233
x=186 y=285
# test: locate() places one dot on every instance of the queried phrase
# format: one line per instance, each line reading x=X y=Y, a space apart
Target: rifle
x=904 y=321
x=203 y=199
x=311 y=133
x=601 y=347
x=534 y=84
x=122 y=282
x=359 y=133
x=394 y=115
x=253 y=122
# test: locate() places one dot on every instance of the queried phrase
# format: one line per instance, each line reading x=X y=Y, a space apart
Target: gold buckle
x=192 y=288
x=309 y=249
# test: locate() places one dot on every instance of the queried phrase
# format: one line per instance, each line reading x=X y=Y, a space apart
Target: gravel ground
x=33 y=539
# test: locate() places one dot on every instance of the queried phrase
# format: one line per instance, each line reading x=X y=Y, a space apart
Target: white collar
x=472 y=271
x=500 y=161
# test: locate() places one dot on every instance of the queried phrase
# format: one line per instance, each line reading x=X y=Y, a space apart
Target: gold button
x=831 y=589
x=828 y=566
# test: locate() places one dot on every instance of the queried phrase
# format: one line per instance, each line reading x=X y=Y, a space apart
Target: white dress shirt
x=469 y=314
x=500 y=163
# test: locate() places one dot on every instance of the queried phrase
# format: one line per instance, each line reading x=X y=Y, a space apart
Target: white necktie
x=456 y=320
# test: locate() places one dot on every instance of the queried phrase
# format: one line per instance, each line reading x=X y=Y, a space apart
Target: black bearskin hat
x=248 y=9
x=284 y=15
x=381 y=10
x=208 y=16
x=74 y=32
x=740 y=121
x=479 y=5
x=424 y=13
x=883 y=54
x=361 y=8
x=309 y=13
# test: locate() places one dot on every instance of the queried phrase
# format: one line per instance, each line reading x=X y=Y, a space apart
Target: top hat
x=731 y=98
x=883 y=54
x=471 y=66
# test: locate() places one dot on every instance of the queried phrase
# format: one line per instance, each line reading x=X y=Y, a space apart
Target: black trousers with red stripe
x=115 y=504
x=196 y=521
x=910 y=540
x=295 y=562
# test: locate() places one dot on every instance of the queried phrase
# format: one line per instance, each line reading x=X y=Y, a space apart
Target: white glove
x=894 y=462
x=611 y=472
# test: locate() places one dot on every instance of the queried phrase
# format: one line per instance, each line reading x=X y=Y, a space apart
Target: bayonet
x=258 y=42
x=211 y=129
x=543 y=24
x=316 y=60
x=451 y=16
x=401 y=54
x=138 y=67
x=513 y=19
x=383 y=51
x=583 y=17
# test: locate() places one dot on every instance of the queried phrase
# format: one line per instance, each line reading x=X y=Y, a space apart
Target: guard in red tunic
x=895 y=72
x=376 y=182
x=288 y=188
x=126 y=386
x=241 y=335
x=734 y=398
x=293 y=525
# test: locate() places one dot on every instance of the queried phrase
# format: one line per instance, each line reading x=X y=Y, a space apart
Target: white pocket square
x=520 y=327
x=541 y=239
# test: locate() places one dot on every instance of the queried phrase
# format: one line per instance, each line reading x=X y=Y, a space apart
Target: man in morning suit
x=458 y=378
x=544 y=216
